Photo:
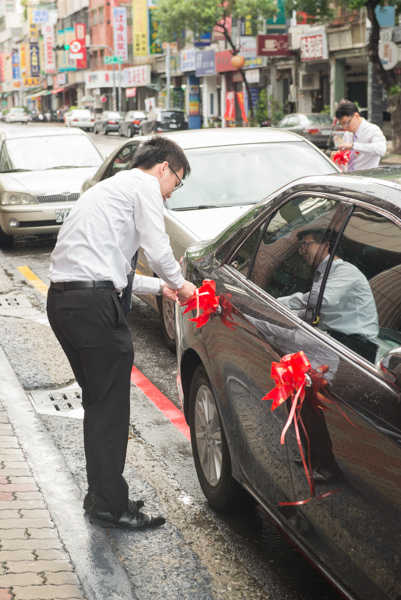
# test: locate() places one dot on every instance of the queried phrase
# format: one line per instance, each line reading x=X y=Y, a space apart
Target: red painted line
x=160 y=401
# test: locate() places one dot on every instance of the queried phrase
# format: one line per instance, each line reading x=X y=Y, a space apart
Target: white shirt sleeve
x=376 y=144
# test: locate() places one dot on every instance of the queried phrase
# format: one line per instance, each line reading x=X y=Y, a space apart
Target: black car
x=314 y=268
x=160 y=120
x=129 y=126
x=315 y=127
x=107 y=121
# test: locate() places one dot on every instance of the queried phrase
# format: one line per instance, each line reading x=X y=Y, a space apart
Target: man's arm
x=376 y=146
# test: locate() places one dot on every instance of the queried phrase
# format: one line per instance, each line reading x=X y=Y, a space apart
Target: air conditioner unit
x=309 y=81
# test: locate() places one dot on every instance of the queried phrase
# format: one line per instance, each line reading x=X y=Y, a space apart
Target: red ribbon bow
x=290 y=377
x=206 y=300
x=342 y=157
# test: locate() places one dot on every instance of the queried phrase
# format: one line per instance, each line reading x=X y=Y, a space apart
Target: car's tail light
x=74 y=120
x=159 y=130
x=112 y=122
x=311 y=131
x=136 y=122
x=92 y=120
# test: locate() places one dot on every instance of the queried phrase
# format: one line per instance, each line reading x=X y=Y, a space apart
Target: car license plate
x=326 y=131
x=62 y=214
x=173 y=125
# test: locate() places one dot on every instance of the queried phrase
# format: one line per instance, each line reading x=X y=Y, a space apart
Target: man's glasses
x=180 y=183
x=345 y=125
x=304 y=246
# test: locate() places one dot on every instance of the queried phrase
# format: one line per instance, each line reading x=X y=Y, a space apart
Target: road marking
x=151 y=391
x=160 y=401
x=32 y=278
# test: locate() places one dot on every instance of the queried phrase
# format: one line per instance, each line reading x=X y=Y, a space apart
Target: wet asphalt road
x=199 y=554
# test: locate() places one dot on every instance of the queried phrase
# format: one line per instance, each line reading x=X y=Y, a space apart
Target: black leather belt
x=81 y=285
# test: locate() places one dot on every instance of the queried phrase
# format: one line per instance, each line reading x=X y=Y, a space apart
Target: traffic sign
x=113 y=60
x=75 y=46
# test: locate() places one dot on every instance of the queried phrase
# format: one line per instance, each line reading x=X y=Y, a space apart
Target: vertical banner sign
x=34 y=60
x=240 y=98
x=48 y=38
x=140 y=26
x=193 y=100
x=80 y=36
x=24 y=65
x=2 y=71
x=33 y=28
x=8 y=66
x=229 y=115
x=154 y=44
x=120 y=32
x=16 y=67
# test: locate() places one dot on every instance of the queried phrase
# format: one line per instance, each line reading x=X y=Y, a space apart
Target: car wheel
x=120 y=132
x=5 y=240
x=166 y=311
x=105 y=131
x=130 y=132
x=209 y=445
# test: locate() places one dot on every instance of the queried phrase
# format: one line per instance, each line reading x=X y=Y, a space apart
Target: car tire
x=105 y=131
x=130 y=133
x=5 y=240
x=167 y=319
x=120 y=133
x=209 y=446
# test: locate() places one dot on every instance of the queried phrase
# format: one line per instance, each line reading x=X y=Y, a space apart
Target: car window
x=51 y=152
x=244 y=174
x=317 y=119
x=366 y=316
x=176 y=116
x=122 y=161
x=283 y=122
x=278 y=267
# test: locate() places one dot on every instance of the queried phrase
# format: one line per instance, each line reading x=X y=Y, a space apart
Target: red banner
x=240 y=98
x=229 y=115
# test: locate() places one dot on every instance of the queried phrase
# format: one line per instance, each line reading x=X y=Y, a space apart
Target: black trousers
x=93 y=332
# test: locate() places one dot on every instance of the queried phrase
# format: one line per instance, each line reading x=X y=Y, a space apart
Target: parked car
x=230 y=169
x=353 y=534
x=107 y=121
x=129 y=126
x=41 y=172
x=17 y=115
x=80 y=117
x=161 y=120
x=315 y=127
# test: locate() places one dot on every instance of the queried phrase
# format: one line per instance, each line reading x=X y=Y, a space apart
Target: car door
x=356 y=442
x=266 y=266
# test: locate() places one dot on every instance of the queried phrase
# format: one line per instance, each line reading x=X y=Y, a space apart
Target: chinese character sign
x=120 y=32
x=80 y=36
x=140 y=26
x=34 y=59
x=154 y=44
x=137 y=76
x=314 y=47
x=15 y=62
x=48 y=39
x=40 y=16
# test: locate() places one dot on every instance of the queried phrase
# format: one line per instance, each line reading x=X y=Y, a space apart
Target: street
x=198 y=554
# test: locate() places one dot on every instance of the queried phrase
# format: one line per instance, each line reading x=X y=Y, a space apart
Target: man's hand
x=169 y=293
x=186 y=291
x=345 y=146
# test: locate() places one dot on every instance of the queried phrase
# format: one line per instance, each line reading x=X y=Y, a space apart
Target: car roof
x=40 y=132
x=232 y=136
x=381 y=186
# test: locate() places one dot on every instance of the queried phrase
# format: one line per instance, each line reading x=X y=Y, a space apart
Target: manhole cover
x=14 y=301
x=65 y=402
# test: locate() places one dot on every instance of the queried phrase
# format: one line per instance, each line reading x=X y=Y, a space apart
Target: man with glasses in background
x=365 y=140
x=91 y=283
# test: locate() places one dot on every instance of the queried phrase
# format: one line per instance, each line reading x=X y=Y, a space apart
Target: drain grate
x=65 y=402
x=14 y=301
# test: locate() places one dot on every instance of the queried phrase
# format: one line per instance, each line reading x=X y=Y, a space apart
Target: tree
x=202 y=16
x=323 y=10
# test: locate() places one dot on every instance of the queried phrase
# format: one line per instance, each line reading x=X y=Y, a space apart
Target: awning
x=58 y=90
x=39 y=92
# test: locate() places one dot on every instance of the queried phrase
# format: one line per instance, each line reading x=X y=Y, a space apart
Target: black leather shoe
x=131 y=519
x=89 y=501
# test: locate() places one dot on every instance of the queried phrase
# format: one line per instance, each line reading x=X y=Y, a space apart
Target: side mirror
x=390 y=366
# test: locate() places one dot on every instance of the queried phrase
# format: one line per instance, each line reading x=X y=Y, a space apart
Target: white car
x=17 y=115
x=80 y=117
x=231 y=169
x=41 y=173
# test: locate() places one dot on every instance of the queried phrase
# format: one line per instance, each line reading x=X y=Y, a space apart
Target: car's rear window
x=245 y=174
x=320 y=119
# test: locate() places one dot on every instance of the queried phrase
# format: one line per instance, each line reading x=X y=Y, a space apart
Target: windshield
x=245 y=174
x=320 y=119
x=39 y=153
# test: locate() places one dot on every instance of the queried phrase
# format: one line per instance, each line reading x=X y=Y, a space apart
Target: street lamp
x=97 y=46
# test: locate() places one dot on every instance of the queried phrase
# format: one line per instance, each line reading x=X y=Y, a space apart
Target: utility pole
x=98 y=46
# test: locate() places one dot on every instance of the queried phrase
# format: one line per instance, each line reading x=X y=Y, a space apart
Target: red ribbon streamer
x=342 y=157
x=206 y=300
x=290 y=378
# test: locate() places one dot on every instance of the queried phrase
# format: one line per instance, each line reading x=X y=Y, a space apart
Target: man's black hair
x=159 y=149
x=346 y=108
x=320 y=235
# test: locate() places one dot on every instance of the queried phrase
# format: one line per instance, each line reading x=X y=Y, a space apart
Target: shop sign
x=61 y=79
x=187 y=60
x=273 y=45
x=34 y=57
x=48 y=39
x=255 y=63
x=120 y=32
x=103 y=79
x=223 y=62
x=314 y=46
x=229 y=114
x=40 y=15
x=248 y=47
x=80 y=36
x=136 y=76
x=154 y=44
x=205 y=63
x=252 y=75
x=15 y=65
x=193 y=99
x=140 y=33
x=388 y=54
x=130 y=92
x=30 y=81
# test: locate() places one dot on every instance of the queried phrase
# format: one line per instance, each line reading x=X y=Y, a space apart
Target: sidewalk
x=48 y=548
x=390 y=158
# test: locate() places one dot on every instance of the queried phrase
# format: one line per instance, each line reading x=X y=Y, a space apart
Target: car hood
x=40 y=183
x=206 y=223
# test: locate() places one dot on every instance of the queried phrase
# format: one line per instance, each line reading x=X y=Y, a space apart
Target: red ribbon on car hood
x=206 y=300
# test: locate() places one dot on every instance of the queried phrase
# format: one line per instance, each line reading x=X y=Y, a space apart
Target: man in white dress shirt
x=365 y=140
x=90 y=266
x=348 y=310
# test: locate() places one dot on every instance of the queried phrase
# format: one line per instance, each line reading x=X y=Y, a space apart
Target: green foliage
x=200 y=16
x=326 y=110
x=394 y=90
x=262 y=113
